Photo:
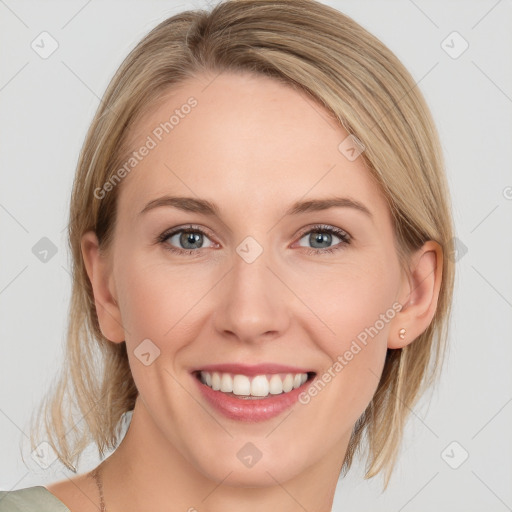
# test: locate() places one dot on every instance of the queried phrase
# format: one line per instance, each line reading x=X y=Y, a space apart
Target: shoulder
x=79 y=493
x=30 y=499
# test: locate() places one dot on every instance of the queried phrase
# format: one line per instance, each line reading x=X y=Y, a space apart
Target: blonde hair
x=313 y=48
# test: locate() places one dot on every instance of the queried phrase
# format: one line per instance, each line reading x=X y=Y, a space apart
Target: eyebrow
x=190 y=204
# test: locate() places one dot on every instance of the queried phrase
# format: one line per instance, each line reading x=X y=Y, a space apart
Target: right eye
x=184 y=240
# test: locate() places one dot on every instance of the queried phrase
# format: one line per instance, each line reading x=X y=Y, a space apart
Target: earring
x=401 y=333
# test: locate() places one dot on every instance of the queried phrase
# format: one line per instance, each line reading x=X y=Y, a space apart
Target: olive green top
x=31 y=499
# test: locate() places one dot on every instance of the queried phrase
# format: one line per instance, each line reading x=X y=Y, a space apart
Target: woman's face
x=259 y=287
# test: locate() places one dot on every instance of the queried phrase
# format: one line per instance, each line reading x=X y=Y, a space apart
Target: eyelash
x=343 y=235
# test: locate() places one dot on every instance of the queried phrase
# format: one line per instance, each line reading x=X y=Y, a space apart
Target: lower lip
x=248 y=409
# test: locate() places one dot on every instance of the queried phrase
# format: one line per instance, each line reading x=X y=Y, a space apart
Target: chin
x=254 y=461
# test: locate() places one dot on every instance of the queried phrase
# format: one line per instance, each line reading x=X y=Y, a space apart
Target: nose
x=252 y=302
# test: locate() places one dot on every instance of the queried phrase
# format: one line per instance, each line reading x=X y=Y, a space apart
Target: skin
x=253 y=147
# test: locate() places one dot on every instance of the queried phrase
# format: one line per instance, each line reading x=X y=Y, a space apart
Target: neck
x=147 y=472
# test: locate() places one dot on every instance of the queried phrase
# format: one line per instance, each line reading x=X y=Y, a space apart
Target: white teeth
x=288 y=383
x=241 y=385
x=226 y=383
x=276 y=385
x=258 y=386
x=215 y=380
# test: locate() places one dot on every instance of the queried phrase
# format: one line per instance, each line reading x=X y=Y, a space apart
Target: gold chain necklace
x=97 y=476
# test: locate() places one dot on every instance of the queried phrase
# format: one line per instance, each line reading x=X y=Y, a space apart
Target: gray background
x=46 y=106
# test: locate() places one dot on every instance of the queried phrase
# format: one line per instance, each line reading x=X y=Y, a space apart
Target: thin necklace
x=97 y=476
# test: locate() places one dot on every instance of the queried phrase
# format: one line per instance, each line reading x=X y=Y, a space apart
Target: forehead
x=242 y=139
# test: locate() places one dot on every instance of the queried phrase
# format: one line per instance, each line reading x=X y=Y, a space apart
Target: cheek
x=157 y=298
x=357 y=304
x=353 y=300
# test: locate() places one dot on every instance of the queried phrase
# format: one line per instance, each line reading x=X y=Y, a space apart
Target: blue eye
x=320 y=235
x=190 y=239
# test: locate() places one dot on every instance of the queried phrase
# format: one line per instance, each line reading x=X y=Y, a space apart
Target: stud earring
x=401 y=333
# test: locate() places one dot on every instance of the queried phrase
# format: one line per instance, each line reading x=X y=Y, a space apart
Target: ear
x=418 y=295
x=99 y=271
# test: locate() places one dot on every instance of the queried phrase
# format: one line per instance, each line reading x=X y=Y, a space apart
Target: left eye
x=321 y=238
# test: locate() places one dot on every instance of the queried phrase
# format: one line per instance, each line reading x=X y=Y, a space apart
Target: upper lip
x=251 y=370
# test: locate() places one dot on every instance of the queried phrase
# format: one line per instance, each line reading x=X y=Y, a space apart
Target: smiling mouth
x=255 y=387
